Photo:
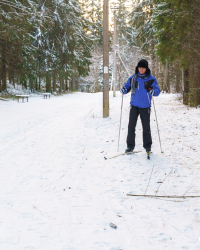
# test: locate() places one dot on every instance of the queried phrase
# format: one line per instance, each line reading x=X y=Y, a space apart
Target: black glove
x=152 y=92
x=123 y=90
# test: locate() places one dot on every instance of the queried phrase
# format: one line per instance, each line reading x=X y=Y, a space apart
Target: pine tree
x=40 y=39
x=15 y=40
x=174 y=24
x=140 y=19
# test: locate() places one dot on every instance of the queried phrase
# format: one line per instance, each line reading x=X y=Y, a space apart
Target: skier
x=142 y=86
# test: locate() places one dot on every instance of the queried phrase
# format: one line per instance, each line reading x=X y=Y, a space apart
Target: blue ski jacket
x=140 y=96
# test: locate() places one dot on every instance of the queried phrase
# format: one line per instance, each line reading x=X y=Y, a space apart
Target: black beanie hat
x=143 y=64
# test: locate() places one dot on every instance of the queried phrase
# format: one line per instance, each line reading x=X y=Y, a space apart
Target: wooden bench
x=46 y=94
x=22 y=96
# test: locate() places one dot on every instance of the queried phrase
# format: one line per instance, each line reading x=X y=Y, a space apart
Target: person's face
x=142 y=70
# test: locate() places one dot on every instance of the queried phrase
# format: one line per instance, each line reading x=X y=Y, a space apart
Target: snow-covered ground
x=58 y=193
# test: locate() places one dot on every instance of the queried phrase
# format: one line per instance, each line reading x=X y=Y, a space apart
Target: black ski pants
x=145 y=119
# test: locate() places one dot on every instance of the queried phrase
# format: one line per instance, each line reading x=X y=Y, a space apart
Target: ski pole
x=120 y=122
x=157 y=125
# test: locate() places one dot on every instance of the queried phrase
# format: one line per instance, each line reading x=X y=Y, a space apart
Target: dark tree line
x=166 y=32
x=51 y=42
x=43 y=41
x=177 y=31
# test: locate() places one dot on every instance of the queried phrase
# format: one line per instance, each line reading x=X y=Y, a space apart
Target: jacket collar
x=144 y=76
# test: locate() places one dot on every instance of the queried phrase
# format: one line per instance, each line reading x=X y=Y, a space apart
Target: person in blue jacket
x=142 y=86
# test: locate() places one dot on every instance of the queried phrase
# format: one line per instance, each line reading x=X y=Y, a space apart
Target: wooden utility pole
x=105 y=60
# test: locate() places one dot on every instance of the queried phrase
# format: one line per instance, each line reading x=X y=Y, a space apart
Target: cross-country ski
x=128 y=153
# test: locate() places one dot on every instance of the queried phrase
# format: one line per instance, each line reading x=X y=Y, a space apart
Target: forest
x=56 y=45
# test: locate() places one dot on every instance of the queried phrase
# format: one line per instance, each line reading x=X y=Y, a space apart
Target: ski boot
x=129 y=150
x=148 y=150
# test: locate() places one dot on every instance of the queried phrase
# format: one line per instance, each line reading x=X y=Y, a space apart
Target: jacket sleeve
x=155 y=87
x=127 y=85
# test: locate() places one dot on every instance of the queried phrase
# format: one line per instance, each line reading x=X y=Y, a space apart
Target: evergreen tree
x=121 y=22
x=175 y=27
x=15 y=39
x=44 y=39
x=93 y=12
x=93 y=15
x=140 y=19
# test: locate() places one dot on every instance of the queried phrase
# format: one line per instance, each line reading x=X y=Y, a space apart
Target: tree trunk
x=25 y=84
x=153 y=57
x=73 y=83
x=48 y=83
x=177 y=83
x=54 y=82
x=10 y=79
x=39 y=82
x=3 y=73
x=168 y=81
x=63 y=84
x=156 y=69
x=66 y=82
x=96 y=88
x=36 y=83
x=186 y=87
x=166 y=84
x=60 y=90
x=31 y=83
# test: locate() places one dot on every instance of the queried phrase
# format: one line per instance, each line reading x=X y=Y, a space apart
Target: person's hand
x=152 y=92
x=123 y=91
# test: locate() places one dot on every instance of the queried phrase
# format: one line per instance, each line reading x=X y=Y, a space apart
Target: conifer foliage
x=177 y=28
x=52 y=42
x=168 y=32
x=42 y=41
x=93 y=13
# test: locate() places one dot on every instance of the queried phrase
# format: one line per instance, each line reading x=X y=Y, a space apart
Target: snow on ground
x=58 y=192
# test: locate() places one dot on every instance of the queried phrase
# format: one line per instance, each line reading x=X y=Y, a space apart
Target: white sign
x=105 y=69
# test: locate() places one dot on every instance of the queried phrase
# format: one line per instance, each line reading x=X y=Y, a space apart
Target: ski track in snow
x=58 y=192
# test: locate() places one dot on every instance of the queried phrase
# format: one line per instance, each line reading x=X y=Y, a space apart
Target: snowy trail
x=58 y=192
